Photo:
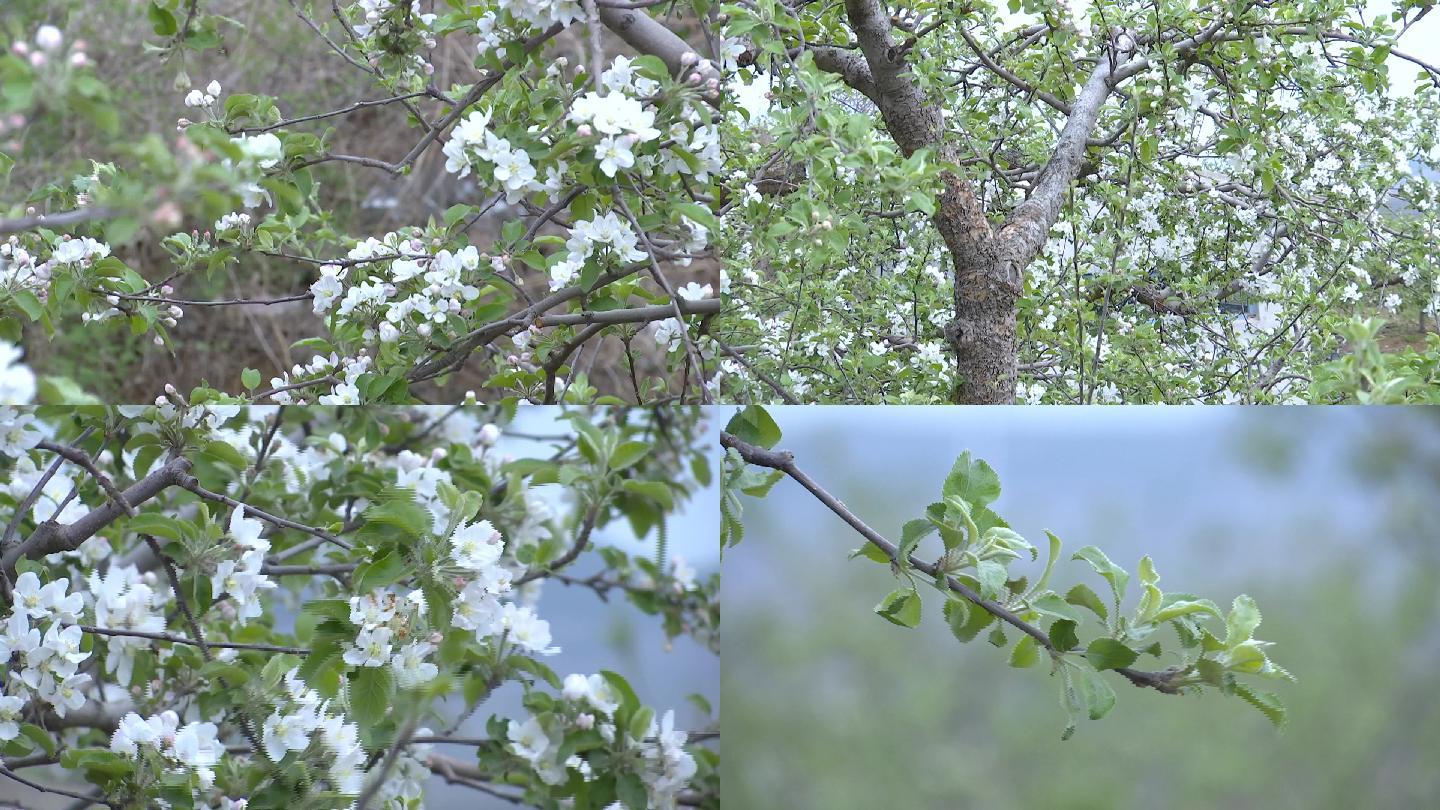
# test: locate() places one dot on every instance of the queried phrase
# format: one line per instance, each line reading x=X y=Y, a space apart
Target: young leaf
x=1052 y=605
x=1025 y=654
x=972 y=480
x=992 y=579
x=627 y=454
x=754 y=425
x=1267 y=703
x=911 y=535
x=1241 y=623
x=1083 y=596
x=1117 y=577
x=1107 y=653
x=1099 y=697
x=1049 y=564
x=1185 y=608
x=1062 y=635
x=901 y=606
x=966 y=620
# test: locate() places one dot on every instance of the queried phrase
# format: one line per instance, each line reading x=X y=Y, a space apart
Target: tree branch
x=784 y=461
x=1025 y=233
x=51 y=538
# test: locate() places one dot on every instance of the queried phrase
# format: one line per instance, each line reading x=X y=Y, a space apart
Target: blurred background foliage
x=1326 y=516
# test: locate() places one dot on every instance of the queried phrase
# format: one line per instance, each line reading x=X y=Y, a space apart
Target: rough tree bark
x=988 y=262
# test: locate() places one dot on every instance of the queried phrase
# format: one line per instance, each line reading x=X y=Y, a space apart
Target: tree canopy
x=1121 y=202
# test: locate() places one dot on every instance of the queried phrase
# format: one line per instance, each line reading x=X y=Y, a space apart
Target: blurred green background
x=1328 y=517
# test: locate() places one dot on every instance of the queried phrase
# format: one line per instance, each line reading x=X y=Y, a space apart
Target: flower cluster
x=22 y=270
x=607 y=230
x=345 y=370
x=472 y=140
x=231 y=223
x=545 y=13
x=192 y=747
x=241 y=578
x=306 y=714
x=19 y=431
x=257 y=153
x=49 y=662
x=79 y=251
x=405 y=288
x=382 y=617
x=591 y=702
x=124 y=600
x=203 y=98
x=475 y=549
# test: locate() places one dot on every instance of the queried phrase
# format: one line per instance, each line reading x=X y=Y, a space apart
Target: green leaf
x=754 y=425
x=371 y=689
x=992 y=578
x=1025 y=654
x=1267 y=703
x=631 y=792
x=966 y=620
x=1241 y=623
x=972 y=481
x=28 y=304
x=628 y=700
x=901 y=606
x=162 y=20
x=1117 y=577
x=699 y=214
x=1083 y=596
x=640 y=722
x=1071 y=701
x=274 y=670
x=1186 y=607
x=657 y=491
x=40 y=737
x=1107 y=653
x=156 y=524
x=910 y=536
x=870 y=551
x=398 y=508
x=250 y=378
x=379 y=572
x=1049 y=564
x=757 y=482
x=997 y=636
x=1099 y=697
x=628 y=454
x=1147 y=571
x=1247 y=657
x=226 y=454
x=1062 y=635
x=1051 y=604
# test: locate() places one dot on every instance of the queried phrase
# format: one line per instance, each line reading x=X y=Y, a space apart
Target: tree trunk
x=987 y=291
x=983 y=336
